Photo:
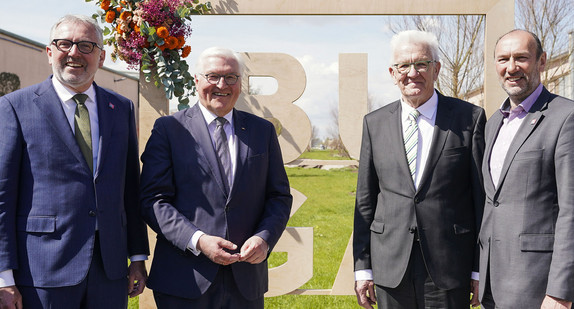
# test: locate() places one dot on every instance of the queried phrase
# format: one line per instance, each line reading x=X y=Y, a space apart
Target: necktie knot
x=220 y=121
x=80 y=98
x=414 y=115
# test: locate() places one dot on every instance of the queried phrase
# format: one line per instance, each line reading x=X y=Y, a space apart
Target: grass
x=329 y=210
x=326 y=154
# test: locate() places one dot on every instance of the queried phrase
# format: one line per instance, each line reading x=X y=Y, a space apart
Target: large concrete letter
x=292 y=124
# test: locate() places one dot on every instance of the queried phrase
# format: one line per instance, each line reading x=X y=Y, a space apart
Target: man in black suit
x=419 y=192
x=215 y=190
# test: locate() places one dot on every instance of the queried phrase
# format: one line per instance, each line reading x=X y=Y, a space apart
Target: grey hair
x=219 y=52
x=415 y=37
x=83 y=19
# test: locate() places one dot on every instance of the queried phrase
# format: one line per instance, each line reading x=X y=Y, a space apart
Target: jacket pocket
x=459 y=229
x=536 y=242
x=37 y=224
x=377 y=227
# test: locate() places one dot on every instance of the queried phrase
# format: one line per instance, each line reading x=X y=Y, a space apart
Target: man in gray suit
x=527 y=235
x=419 y=193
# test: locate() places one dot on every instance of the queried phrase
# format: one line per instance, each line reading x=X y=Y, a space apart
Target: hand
x=215 y=249
x=474 y=301
x=254 y=250
x=550 y=302
x=365 y=291
x=10 y=298
x=137 y=277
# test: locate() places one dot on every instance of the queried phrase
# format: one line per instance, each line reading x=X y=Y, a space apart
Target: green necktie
x=83 y=129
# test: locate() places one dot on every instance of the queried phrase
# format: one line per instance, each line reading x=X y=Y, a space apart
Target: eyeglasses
x=420 y=66
x=230 y=79
x=85 y=47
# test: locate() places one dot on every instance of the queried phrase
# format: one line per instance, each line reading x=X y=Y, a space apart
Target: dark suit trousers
x=222 y=294
x=417 y=291
x=94 y=292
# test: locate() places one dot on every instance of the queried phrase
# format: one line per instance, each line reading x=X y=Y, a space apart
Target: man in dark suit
x=526 y=238
x=69 y=184
x=215 y=190
x=419 y=191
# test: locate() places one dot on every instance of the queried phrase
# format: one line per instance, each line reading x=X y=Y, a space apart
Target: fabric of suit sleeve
x=158 y=190
x=366 y=200
x=477 y=179
x=11 y=144
x=136 y=228
x=561 y=275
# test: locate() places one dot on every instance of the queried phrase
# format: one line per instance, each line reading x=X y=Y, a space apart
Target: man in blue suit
x=215 y=190
x=69 y=215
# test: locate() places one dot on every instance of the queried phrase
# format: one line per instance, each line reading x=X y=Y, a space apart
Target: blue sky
x=316 y=41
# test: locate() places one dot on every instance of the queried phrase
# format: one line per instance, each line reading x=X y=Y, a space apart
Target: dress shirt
x=231 y=140
x=511 y=123
x=425 y=122
x=69 y=106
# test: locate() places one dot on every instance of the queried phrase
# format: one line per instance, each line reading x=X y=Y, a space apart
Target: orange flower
x=119 y=9
x=186 y=51
x=110 y=16
x=162 y=47
x=162 y=32
x=181 y=42
x=136 y=28
x=171 y=42
x=105 y=5
x=119 y=29
x=125 y=14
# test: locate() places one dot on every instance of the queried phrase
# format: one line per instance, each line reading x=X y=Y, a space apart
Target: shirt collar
x=66 y=94
x=210 y=117
x=427 y=109
x=525 y=105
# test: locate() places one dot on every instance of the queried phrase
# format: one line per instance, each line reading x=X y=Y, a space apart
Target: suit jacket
x=182 y=192
x=446 y=209
x=527 y=234
x=49 y=199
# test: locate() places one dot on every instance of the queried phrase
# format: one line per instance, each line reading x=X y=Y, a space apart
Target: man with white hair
x=215 y=190
x=419 y=192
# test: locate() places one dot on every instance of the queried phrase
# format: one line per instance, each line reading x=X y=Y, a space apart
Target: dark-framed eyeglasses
x=85 y=47
x=420 y=66
x=230 y=79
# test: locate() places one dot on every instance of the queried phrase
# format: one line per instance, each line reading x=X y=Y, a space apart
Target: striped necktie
x=82 y=128
x=411 y=137
x=222 y=149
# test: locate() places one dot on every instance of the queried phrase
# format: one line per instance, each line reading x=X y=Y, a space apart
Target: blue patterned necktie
x=222 y=149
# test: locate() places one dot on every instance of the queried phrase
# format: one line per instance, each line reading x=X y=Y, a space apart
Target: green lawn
x=322 y=155
x=329 y=210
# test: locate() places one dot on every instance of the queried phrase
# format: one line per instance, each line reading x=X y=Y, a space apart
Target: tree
x=334 y=138
x=551 y=21
x=461 y=44
x=8 y=82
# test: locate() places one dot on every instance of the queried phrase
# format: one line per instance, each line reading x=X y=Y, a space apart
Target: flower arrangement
x=150 y=35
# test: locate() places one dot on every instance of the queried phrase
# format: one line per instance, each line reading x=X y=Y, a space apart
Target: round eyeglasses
x=230 y=79
x=420 y=66
x=85 y=47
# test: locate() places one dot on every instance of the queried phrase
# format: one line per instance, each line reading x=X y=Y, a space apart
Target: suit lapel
x=494 y=126
x=106 y=122
x=51 y=106
x=442 y=126
x=395 y=137
x=529 y=123
x=195 y=124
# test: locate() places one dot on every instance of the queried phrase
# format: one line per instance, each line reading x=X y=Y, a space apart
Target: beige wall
x=28 y=60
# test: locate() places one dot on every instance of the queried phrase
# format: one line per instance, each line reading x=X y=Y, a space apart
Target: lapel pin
x=243 y=128
x=533 y=122
x=110 y=105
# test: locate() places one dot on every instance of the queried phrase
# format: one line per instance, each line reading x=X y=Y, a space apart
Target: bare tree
x=461 y=43
x=333 y=135
x=550 y=20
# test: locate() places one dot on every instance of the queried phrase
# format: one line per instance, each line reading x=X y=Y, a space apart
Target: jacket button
x=92 y=213
x=413 y=229
x=495 y=204
x=417 y=200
